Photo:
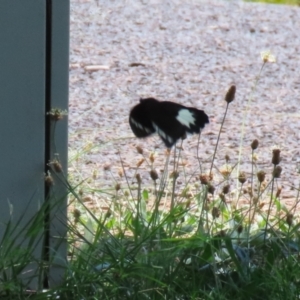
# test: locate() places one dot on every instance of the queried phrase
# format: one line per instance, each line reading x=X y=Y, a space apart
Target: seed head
x=289 y=219
x=140 y=162
x=242 y=177
x=277 y=172
x=211 y=189
x=153 y=175
x=226 y=170
x=222 y=197
x=215 y=212
x=239 y=229
x=49 y=179
x=138 y=178
x=108 y=213
x=254 y=144
x=76 y=215
x=117 y=186
x=120 y=173
x=174 y=174
x=56 y=165
x=261 y=175
x=188 y=203
x=151 y=157
x=267 y=56
x=227 y=158
x=226 y=189
x=276 y=157
x=230 y=94
x=57 y=114
x=204 y=179
x=278 y=192
x=95 y=174
x=139 y=150
x=106 y=167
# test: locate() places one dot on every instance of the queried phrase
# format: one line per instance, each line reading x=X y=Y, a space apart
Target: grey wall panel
x=22 y=107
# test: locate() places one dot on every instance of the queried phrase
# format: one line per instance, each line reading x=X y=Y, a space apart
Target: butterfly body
x=171 y=121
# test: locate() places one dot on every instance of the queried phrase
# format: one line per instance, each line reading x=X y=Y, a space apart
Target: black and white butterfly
x=171 y=121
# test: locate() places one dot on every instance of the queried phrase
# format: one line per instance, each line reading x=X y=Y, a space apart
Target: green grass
x=288 y=2
x=160 y=242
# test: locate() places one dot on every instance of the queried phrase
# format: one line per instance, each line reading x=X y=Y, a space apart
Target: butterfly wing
x=165 y=123
x=173 y=121
x=140 y=122
x=192 y=118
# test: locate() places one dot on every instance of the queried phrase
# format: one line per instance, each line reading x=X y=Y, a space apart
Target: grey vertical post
x=25 y=94
x=59 y=99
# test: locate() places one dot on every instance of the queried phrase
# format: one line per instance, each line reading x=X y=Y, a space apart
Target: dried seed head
x=117 y=186
x=76 y=215
x=254 y=144
x=278 y=192
x=138 y=178
x=188 y=203
x=227 y=158
x=174 y=174
x=120 y=173
x=56 y=165
x=276 y=157
x=289 y=219
x=108 y=213
x=255 y=200
x=277 y=172
x=106 y=167
x=261 y=205
x=230 y=94
x=151 y=157
x=226 y=170
x=204 y=179
x=226 y=189
x=49 y=179
x=239 y=229
x=126 y=193
x=139 y=150
x=80 y=192
x=140 y=162
x=242 y=177
x=250 y=192
x=95 y=174
x=153 y=175
x=215 y=212
x=267 y=56
x=261 y=175
x=222 y=197
x=222 y=234
x=57 y=114
x=210 y=189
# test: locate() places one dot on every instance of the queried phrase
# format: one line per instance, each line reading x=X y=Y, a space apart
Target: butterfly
x=170 y=120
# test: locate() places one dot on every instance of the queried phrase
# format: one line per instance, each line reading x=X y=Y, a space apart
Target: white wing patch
x=162 y=133
x=138 y=125
x=185 y=117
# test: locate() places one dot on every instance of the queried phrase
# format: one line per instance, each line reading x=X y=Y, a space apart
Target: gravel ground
x=189 y=52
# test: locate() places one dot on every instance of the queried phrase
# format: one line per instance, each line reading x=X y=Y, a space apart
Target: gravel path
x=189 y=52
